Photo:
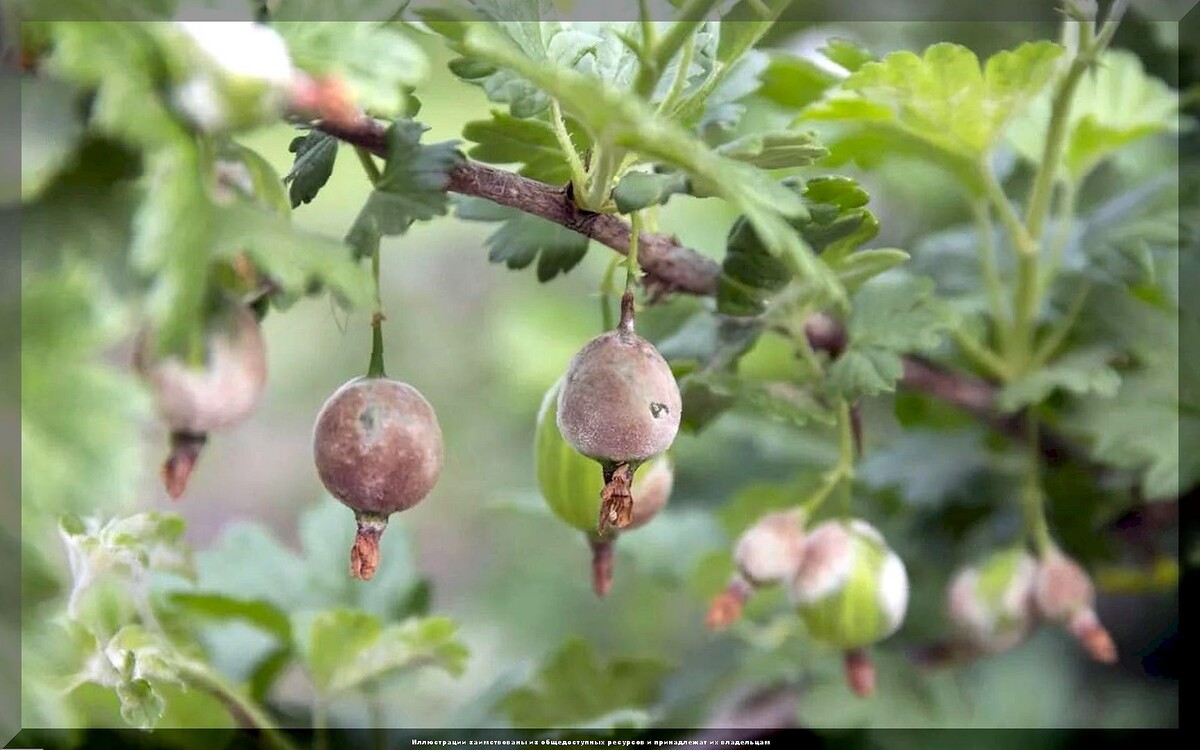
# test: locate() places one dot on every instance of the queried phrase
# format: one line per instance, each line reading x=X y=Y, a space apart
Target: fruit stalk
x=602 y=564
x=364 y=555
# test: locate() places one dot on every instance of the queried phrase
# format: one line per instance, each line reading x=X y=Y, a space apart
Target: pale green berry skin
x=991 y=604
x=570 y=482
x=851 y=589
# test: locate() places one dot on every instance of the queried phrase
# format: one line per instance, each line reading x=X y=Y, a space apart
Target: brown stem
x=726 y=607
x=602 y=564
x=364 y=555
x=625 y=324
x=671 y=267
x=181 y=460
x=1086 y=628
x=860 y=672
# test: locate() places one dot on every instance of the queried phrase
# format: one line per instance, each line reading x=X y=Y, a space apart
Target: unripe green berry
x=571 y=485
x=991 y=604
x=851 y=588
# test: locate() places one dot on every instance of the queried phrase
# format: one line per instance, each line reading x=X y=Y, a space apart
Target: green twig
x=1057 y=335
x=984 y=358
x=1033 y=499
x=375 y=367
x=578 y=173
x=368 y=165
x=681 y=74
x=607 y=290
x=205 y=678
x=1066 y=212
x=605 y=166
x=843 y=470
x=633 y=271
x=990 y=271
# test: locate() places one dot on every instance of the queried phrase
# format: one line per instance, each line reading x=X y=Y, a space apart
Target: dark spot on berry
x=367 y=419
x=657 y=409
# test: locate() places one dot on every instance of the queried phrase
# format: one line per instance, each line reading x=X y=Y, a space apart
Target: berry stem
x=364 y=555
x=1032 y=497
x=602 y=564
x=181 y=460
x=860 y=672
x=726 y=607
x=375 y=367
x=607 y=290
x=632 y=272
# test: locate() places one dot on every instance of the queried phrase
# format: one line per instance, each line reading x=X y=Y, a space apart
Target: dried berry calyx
x=852 y=591
x=1064 y=595
x=768 y=552
x=571 y=487
x=378 y=450
x=620 y=406
x=991 y=603
x=221 y=389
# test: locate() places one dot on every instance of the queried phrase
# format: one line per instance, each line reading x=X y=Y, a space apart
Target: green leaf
x=1080 y=372
x=347 y=649
x=846 y=53
x=628 y=122
x=887 y=319
x=781 y=150
x=1121 y=237
x=313 y=577
x=261 y=614
x=834 y=223
x=122 y=63
x=298 y=262
x=530 y=142
x=575 y=690
x=707 y=344
x=637 y=190
x=51 y=129
x=81 y=418
x=172 y=246
x=744 y=25
x=375 y=60
x=941 y=103
x=131 y=547
x=786 y=402
x=517 y=22
x=522 y=238
x=412 y=187
x=315 y=153
x=794 y=82
x=859 y=267
x=1116 y=103
x=949 y=459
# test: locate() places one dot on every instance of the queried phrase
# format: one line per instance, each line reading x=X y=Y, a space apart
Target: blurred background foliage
x=483 y=344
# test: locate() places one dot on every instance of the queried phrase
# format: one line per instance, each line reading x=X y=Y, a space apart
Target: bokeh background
x=483 y=344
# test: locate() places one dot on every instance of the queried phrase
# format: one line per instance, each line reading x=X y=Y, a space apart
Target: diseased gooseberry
x=571 y=487
x=218 y=393
x=852 y=591
x=991 y=603
x=1065 y=596
x=620 y=406
x=766 y=553
x=378 y=450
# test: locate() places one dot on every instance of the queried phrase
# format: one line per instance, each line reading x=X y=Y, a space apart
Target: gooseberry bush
x=842 y=475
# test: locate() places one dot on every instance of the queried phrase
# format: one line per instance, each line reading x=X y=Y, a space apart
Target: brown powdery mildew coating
x=224 y=392
x=619 y=402
x=377 y=445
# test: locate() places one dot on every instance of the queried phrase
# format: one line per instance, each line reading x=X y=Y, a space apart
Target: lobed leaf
x=573 y=689
x=316 y=152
